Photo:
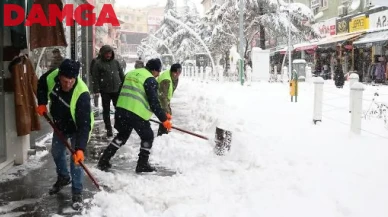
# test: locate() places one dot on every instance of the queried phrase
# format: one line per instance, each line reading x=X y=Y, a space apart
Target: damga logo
x=83 y=15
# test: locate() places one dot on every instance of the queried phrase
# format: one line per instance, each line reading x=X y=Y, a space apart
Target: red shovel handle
x=68 y=146
x=184 y=131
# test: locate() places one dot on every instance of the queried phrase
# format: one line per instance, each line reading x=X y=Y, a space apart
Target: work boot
x=61 y=182
x=77 y=201
x=109 y=152
x=143 y=166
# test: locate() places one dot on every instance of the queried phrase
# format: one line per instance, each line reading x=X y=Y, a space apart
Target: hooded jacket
x=108 y=75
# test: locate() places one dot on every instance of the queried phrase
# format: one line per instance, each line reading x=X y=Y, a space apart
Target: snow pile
x=280 y=163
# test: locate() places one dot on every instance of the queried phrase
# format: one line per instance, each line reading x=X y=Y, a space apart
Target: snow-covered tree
x=220 y=27
x=173 y=38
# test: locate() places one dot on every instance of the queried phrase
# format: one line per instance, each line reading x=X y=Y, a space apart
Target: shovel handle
x=184 y=131
x=68 y=146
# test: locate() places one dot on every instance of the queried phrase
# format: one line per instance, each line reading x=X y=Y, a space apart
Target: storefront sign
x=358 y=24
x=378 y=20
x=343 y=25
x=326 y=28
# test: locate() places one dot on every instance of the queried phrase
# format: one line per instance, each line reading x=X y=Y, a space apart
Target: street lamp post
x=241 y=28
x=289 y=42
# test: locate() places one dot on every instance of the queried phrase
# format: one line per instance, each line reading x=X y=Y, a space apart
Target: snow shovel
x=223 y=138
x=68 y=146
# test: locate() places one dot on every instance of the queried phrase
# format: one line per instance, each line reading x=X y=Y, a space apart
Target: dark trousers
x=106 y=99
x=125 y=122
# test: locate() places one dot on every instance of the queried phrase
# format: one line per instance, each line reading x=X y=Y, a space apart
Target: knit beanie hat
x=69 y=68
x=154 y=65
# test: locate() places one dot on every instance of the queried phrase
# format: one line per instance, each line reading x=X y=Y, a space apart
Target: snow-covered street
x=280 y=164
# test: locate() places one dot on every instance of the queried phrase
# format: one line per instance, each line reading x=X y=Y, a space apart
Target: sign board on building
x=359 y=23
x=342 y=25
x=155 y=20
x=326 y=28
x=378 y=20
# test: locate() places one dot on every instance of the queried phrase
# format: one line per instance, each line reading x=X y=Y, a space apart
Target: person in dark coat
x=108 y=78
x=339 y=78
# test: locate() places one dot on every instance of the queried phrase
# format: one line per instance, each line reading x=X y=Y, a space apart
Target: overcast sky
x=144 y=3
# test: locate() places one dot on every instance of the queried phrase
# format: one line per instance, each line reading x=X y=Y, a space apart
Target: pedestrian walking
x=108 y=77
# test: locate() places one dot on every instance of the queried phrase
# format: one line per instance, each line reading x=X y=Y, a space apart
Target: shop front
x=372 y=49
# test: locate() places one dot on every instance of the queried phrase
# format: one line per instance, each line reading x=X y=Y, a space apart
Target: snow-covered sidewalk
x=280 y=163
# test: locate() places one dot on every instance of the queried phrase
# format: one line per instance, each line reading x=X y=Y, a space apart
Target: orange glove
x=167 y=124
x=169 y=117
x=78 y=157
x=41 y=110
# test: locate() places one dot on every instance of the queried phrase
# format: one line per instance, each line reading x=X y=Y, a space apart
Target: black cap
x=154 y=65
x=176 y=67
x=69 y=68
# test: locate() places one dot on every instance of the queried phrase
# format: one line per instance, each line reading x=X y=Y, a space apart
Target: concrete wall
x=17 y=147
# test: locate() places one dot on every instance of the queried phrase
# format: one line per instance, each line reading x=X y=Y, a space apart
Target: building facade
x=154 y=18
x=136 y=19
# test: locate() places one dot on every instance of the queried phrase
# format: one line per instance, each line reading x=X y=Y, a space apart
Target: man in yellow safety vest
x=72 y=115
x=168 y=82
x=137 y=101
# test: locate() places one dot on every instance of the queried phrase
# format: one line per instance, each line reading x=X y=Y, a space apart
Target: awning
x=301 y=47
x=377 y=38
x=336 y=40
x=306 y=46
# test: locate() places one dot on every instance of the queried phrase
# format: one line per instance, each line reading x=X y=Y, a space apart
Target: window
x=126 y=17
x=315 y=3
x=325 y=4
x=138 y=18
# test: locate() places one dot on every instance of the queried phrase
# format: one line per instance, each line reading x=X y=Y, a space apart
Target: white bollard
x=357 y=94
x=318 y=99
x=353 y=78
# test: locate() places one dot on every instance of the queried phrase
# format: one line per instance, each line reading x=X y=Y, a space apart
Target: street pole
x=289 y=43
x=241 y=26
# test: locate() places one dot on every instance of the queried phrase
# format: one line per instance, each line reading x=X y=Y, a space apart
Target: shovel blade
x=223 y=141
